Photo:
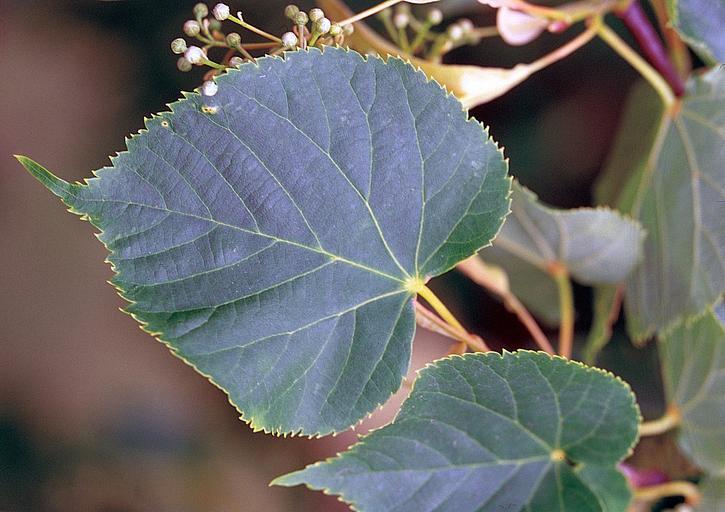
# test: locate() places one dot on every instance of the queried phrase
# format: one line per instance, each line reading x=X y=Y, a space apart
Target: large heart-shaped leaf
x=670 y=177
x=273 y=235
x=699 y=22
x=486 y=432
x=693 y=363
x=594 y=245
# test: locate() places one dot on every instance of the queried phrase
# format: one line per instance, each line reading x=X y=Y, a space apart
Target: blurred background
x=97 y=416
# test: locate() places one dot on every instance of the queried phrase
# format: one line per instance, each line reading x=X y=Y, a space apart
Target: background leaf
x=473 y=435
x=670 y=178
x=693 y=367
x=699 y=22
x=596 y=245
x=713 y=494
x=271 y=234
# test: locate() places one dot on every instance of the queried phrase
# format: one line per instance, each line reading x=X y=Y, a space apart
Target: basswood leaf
x=273 y=235
x=699 y=22
x=670 y=177
x=713 y=494
x=490 y=432
x=596 y=246
x=693 y=367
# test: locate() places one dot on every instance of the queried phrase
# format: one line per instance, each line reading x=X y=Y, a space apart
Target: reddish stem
x=638 y=24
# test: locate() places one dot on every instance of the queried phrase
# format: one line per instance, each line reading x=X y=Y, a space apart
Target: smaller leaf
x=693 y=361
x=712 y=495
x=699 y=22
x=596 y=245
x=491 y=432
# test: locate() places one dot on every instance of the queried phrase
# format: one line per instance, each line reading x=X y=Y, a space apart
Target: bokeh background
x=97 y=416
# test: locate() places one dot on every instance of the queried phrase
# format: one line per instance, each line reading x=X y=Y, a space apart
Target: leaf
x=699 y=22
x=491 y=432
x=670 y=178
x=693 y=367
x=712 y=494
x=273 y=235
x=607 y=306
x=472 y=85
x=596 y=245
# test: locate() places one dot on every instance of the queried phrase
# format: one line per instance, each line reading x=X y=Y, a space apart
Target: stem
x=568 y=48
x=439 y=307
x=254 y=29
x=679 y=53
x=668 y=421
x=369 y=12
x=428 y=320
x=212 y=64
x=678 y=488
x=566 y=309
x=419 y=38
x=636 y=21
x=478 y=272
x=641 y=65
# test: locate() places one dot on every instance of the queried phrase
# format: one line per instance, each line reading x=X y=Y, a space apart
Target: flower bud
x=466 y=25
x=518 y=28
x=316 y=14
x=209 y=88
x=335 y=30
x=236 y=61
x=348 y=29
x=291 y=11
x=201 y=10
x=178 y=46
x=455 y=32
x=289 y=40
x=434 y=16
x=301 y=18
x=233 y=39
x=322 y=26
x=183 y=64
x=192 y=28
x=215 y=24
x=195 y=55
x=221 y=11
x=401 y=20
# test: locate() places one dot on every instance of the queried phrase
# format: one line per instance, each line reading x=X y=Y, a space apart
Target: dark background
x=97 y=416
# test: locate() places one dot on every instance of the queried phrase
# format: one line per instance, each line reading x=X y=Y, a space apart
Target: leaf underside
x=693 y=362
x=699 y=22
x=478 y=433
x=671 y=179
x=269 y=235
x=596 y=246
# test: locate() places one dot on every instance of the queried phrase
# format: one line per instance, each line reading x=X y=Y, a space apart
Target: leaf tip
x=56 y=185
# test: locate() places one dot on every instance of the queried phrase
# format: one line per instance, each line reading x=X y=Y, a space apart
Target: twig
x=668 y=421
x=636 y=21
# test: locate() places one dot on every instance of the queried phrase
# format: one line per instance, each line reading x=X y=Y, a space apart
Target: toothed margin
x=436 y=364
x=166 y=122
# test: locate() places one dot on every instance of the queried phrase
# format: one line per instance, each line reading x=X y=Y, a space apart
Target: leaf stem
x=637 y=62
x=668 y=421
x=439 y=307
x=455 y=327
x=568 y=48
x=677 y=488
x=478 y=272
x=566 y=308
x=678 y=51
x=638 y=24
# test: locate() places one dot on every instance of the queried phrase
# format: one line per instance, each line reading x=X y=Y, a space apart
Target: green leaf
x=670 y=178
x=699 y=22
x=273 y=235
x=712 y=494
x=693 y=367
x=491 y=432
x=607 y=305
x=596 y=245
